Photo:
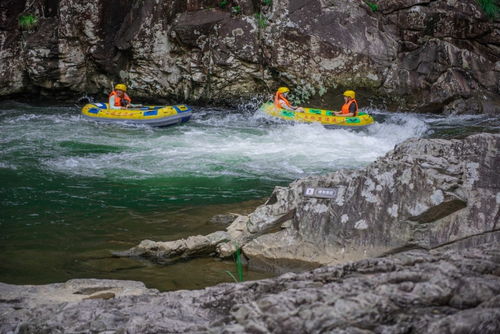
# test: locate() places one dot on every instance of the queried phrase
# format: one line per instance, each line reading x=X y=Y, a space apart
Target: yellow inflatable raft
x=149 y=115
x=325 y=117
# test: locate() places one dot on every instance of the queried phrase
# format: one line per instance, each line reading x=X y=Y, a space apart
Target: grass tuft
x=373 y=6
x=239 y=267
x=261 y=20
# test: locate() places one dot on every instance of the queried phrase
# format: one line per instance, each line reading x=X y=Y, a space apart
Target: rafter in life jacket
x=279 y=98
x=347 y=106
x=119 y=101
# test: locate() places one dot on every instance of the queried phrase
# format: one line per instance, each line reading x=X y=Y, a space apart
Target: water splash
x=217 y=142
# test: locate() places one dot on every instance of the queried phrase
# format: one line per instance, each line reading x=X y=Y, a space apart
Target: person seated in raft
x=282 y=102
x=118 y=99
x=350 y=107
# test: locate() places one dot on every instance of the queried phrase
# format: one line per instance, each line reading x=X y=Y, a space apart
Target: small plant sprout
x=239 y=267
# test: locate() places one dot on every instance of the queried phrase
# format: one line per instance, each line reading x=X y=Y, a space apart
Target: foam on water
x=215 y=143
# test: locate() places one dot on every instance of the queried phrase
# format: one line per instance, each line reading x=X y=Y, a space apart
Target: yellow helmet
x=283 y=90
x=121 y=87
x=350 y=93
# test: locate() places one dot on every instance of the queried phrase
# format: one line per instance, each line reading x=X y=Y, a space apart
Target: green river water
x=73 y=191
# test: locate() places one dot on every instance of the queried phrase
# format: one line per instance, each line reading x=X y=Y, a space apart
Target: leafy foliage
x=267 y=2
x=236 y=9
x=490 y=8
x=223 y=3
x=27 y=22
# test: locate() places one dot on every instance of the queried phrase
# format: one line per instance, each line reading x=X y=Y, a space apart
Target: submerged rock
x=223 y=219
x=416 y=291
x=425 y=194
x=198 y=245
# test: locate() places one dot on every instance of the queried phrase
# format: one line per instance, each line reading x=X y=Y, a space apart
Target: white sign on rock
x=320 y=192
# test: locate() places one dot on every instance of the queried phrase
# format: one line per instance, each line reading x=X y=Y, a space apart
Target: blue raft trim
x=151 y=113
x=93 y=111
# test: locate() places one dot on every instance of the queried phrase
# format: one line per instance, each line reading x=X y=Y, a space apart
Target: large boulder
x=426 y=193
x=415 y=291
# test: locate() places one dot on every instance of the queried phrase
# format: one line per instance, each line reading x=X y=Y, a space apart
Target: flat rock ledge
x=73 y=291
x=417 y=291
x=425 y=194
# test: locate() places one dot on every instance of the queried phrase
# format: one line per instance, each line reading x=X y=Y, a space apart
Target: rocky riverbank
x=416 y=291
x=425 y=194
x=420 y=223
x=418 y=55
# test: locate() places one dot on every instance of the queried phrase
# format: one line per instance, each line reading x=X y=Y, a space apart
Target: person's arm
x=339 y=113
x=352 y=109
x=283 y=105
x=127 y=101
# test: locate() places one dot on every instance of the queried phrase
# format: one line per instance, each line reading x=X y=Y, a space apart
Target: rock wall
x=412 y=292
x=423 y=55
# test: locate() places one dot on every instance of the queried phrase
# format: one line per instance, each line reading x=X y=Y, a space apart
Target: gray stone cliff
x=422 y=55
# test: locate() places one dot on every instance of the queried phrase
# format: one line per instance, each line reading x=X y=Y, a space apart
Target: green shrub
x=236 y=9
x=490 y=8
x=223 y=3
x=27 y=22
x=267 y=2
x=373 y=6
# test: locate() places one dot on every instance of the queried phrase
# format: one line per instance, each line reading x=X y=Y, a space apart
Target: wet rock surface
x=198 y=245
x=429 y=56
x=416 y=291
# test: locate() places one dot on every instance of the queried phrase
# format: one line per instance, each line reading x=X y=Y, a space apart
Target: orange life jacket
x=278 y=98
x=346 y=107
x=118 y=100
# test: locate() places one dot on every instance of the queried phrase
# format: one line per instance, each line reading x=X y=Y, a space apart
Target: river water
x=73 y=191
